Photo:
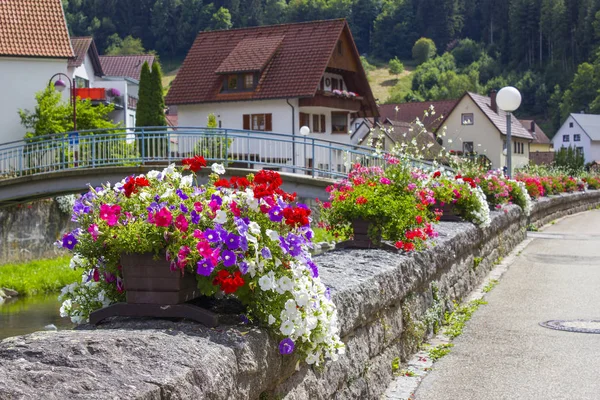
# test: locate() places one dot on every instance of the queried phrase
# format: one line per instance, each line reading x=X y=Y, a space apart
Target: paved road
x=504 y=353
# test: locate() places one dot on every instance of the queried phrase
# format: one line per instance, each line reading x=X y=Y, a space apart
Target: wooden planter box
x=153 y=290
x=449 y=212
x=361 y=238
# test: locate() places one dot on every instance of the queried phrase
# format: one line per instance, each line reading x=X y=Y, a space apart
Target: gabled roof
x=409 y=112
x=536 y=132
x=81 y=47
x=34 y=28
x=590 y=123
x=497 y=118
x=293 y=58
x=125 y=66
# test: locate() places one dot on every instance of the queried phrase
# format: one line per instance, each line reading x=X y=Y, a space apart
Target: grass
x=455 y=321
x=322 y=235
x=37 y=277
x=490 y=285
x=381 y=82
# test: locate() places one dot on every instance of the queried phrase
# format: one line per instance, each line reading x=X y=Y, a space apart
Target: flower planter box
x=153 y=290
x=362 y=240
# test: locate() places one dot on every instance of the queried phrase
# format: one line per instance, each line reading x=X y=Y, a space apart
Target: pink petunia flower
x=110 y=214
x=163 y=217
x=181 y=223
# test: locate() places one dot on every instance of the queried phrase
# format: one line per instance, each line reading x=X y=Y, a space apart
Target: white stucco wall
x=85 y=71
x=591 y=150
x=485 y=136
x=22 y=78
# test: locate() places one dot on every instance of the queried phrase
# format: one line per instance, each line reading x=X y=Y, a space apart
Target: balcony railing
x=98 y=94
x=132 y=102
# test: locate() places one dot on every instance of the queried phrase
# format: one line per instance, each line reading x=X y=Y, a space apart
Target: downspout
x=293 y=134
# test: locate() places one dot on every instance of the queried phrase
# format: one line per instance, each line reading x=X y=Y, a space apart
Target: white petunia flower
x=285 y=283
x=167 y=193
x=221 y=217
x=254 y=228
x=271 y=319
x=266 y=283
x=187 y=180
x=218 y=168
x=153 y=174
x=272 y=235
x=287 y=327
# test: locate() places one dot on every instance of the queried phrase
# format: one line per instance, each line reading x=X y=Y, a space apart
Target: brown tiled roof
x=498 y=117
x=536 y=132
x=128 y=66
x=295 y=70
x=409 y=112
x=34 y=28
x=83 y=46
x=250 y=54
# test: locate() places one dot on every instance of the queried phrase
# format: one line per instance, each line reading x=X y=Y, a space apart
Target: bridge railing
x=157 y=145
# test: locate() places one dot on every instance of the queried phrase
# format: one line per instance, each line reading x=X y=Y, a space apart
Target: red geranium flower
x=437 y=174
x=229 y=282
x=194 y=164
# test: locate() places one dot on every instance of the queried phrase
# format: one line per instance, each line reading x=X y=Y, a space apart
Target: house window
x=577 y=138
x=467 y=119
x=318 y=125
x=339 y=122
x=258 y=122
x=468 y=147
x=248 y=81
x=334 y=84
x=565 y=138
x=232 y=82
x=339 y=47
x=579 y=151
x=81 y=82
x=570 y=124
x=304 y=120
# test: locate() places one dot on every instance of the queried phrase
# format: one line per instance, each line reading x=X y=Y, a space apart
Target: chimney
x=532 y=126
x=493 y=98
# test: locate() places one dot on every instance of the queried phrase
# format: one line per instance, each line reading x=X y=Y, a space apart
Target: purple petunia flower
x=276 y=214
x=286 y=346
x=69 y=241
x=229 y=258
x=314 y=271
x=284 y=246
x=232 y=241
x=195 y=217
x=182 y=195
x=328 y=294
x=242 y=226
x=205 y=267
x=244 y=319
x=157 y=198
x=243 y=243
x=266 y=253
x=217 y=199
x=183 y=208
x=212 y=235
x=243 y=267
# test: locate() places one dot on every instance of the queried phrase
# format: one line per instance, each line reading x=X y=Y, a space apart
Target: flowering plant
x=244 y=237
x=113 y=92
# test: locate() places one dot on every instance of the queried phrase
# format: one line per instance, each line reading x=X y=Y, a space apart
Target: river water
x=29 y=314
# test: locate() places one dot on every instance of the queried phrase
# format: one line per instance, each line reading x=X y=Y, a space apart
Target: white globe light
x=508 y=99
x=60 y=85
x=305 y=131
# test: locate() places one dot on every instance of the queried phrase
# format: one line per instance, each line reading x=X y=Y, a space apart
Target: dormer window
x=232 y=82
x=248 y=81
x=339 y=47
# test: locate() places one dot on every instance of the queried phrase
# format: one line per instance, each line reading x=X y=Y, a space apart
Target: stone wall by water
x=382 y=298
x=28 y=231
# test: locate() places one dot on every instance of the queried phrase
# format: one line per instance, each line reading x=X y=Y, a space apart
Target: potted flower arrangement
x=242 y=237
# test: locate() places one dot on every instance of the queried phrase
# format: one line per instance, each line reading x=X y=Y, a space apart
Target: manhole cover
x=573 y=325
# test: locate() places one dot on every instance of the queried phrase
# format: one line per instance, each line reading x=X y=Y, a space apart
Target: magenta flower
x=94 y=231
x=163 y=217
x=110 y=214
x=385 y=181
x=181 y=223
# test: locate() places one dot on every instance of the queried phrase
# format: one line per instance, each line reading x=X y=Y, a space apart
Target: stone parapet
x=385 y=302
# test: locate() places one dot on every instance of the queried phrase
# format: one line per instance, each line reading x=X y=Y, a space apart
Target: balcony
x=331 y=100
x=99 y=95
x=132 y=102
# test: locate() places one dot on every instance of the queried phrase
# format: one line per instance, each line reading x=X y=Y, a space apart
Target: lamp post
x=305 y=131
x=508 y=99
x=60 y=86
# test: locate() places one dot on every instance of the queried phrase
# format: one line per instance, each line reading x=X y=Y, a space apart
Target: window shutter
x=322 y=124
x=246 y=122
x=268 y=122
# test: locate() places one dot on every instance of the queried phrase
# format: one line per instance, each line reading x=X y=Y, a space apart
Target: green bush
x=423 y=50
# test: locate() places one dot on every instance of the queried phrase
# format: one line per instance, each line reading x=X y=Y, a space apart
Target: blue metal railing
x=156 y=145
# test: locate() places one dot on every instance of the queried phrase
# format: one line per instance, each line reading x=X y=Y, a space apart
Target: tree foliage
x=423 y=50
x=570 y=159
x=395 y=66
x=124 y=47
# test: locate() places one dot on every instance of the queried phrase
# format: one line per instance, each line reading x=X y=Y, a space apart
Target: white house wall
x=84 y=71
x=22 y=78
x=591 y=150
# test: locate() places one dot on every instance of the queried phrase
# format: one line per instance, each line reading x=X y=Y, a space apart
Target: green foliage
x=395 y=66
x=158 y=100
x=467 y=52
x=366 y=66
x=439 y=351
x=51 y=115
x=455 y=321
x=490 y=285
x=144 y=112
x=123 y=47
x=37 y=277
x=395 y=365
x=212 y=147
x=221 y=19
x=423 y=50
x=570 y=160
x=476 y=262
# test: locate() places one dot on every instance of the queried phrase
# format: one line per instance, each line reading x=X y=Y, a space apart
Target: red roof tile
x=409 y=112
x=83 y=46
x=301 y=54
x=34 y=28
x=498 y=117
x=128 y=66
x=538 y=134
x=250 y=54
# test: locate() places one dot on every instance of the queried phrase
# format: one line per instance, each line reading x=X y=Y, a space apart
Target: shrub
x=423 y=50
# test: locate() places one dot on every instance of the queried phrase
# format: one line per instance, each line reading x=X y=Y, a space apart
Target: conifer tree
x=143 y=114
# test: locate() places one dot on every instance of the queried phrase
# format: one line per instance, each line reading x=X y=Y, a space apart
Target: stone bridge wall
x=382 y=298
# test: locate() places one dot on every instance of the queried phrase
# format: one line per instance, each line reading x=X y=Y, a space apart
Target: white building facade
x=582 y=133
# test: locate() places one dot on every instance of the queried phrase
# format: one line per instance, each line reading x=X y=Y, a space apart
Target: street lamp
x=508 y=99
x=305 y=131
x=60 y=86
